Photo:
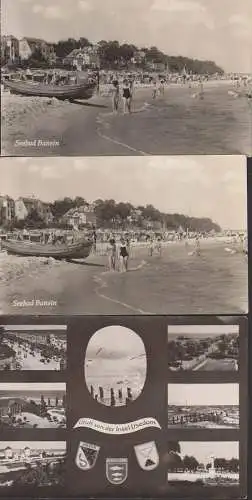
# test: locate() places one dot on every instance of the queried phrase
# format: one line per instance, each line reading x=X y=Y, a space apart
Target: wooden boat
x=83 y=90
x=78 y=250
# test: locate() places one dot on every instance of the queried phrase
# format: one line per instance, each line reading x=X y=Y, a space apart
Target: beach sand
x=175 y=283
x=178 y=123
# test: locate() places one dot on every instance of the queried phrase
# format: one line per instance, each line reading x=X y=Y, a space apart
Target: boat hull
x=81 y=91
x=78 y=250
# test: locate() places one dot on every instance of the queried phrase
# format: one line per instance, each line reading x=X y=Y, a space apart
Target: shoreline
x=174 y=283
x=89 y=128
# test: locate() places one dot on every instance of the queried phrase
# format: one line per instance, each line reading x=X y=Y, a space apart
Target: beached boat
x=78 y=250
x=84 y=90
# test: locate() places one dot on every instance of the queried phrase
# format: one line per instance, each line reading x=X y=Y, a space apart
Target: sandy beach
x=175 y=283
x=178 y=123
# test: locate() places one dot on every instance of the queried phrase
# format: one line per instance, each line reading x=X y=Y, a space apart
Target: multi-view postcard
x=151 y=77
x=121 y=423
x=157 y=235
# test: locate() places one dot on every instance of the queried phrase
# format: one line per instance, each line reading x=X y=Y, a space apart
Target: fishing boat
x=84 y=90
x=78 y=250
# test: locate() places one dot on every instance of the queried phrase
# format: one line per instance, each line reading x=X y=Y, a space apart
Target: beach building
x=9 y=49
x=83 y=215
x=36 y=339
x=11 y=406
x=27 y=47
x=7 y=357
x=139 y=57
x=24 y=206
x=7 y=209
x=86 y=57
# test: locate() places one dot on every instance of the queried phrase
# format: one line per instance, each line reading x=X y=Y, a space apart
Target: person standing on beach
x=115 y=96
x=154 y=91
x=111 y=252
x=123 y=256
x=126 y=97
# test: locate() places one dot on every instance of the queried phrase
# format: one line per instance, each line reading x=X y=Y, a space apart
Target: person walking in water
x=115 y=96
x=126 y=97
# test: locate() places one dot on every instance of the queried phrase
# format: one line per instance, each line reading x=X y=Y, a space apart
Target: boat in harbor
x=84 y=90
x=78 y=250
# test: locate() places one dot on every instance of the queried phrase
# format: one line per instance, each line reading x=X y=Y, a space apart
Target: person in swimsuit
x=126 y=97
x=154 y=91
x=115 y=96
x=111 y=251
x=162 y=88
x=123 y=256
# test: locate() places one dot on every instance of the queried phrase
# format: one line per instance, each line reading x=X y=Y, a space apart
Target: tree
x=174 y=446
x=34 y=220
x=190 y=463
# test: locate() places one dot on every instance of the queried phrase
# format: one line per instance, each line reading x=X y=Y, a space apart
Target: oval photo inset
x=115 y=366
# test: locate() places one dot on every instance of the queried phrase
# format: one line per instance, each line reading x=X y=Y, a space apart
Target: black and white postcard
x=201 y=465
x=203 y=406
x=33 y=347
x=161 y=235
x=32 y=405
x=206 y=348
x=28 y=465
x=145 y=77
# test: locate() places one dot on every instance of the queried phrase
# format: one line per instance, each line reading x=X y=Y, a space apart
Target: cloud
x=37 y=8
x=241 y=26
x=84 y=6
x=55 y=12
x=52 y=173
x=178 y=6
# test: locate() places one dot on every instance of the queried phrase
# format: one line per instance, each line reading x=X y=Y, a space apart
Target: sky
x=202 y=329
x=203 y=450
x=198 y=186
x=204 y=29
x=114 y=342
x=26 y=328
x=32 y=386
x=203 y=394
x=34 y=445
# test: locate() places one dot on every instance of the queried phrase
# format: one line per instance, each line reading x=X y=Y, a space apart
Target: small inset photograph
x=33 y=347
x=203 y=406
x=194 y=464
x=115 y=366
x=32 y=463
x=32 y=406
x=203 y=347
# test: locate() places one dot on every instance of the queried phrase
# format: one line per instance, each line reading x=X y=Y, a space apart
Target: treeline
x=112 y=215
x=191 y=464
x=112 y=54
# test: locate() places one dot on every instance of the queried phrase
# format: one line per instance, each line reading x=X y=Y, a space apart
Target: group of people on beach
x=118 y=255
x=126 y=93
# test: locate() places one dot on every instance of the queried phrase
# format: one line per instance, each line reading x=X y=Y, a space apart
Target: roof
x=33 y=40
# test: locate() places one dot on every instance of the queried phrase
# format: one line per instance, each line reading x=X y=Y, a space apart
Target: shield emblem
x=86 y=455
x=117 y=470
x=147 y=455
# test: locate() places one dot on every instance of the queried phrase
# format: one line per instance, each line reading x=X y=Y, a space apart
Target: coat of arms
x=117 y=470
x=86 y=455
x=147 y=455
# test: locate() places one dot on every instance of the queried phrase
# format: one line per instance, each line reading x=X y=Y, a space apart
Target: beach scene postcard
x=145 y=77
x=113 y=235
